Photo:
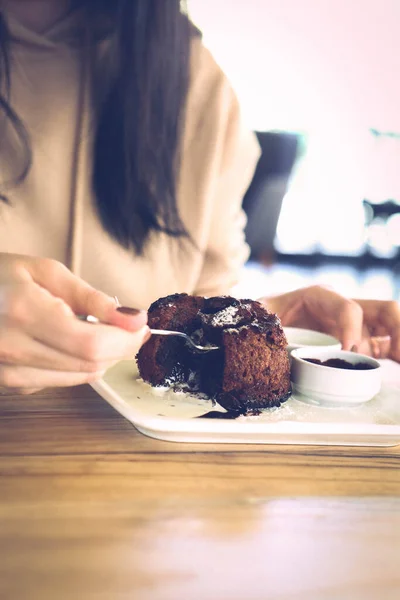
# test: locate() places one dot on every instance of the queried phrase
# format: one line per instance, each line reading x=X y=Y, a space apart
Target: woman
x=123 y=163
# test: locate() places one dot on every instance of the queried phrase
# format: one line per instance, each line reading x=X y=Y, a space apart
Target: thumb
x=81 y=297
x=350 y=325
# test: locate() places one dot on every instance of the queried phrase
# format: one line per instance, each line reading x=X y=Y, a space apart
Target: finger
x=81 y=297
x=95 y=343
x=349 y=324
x=375 y=347
x=365 y=346
x=381 y=347
x=337 y=314
x=16 y=348
x=383 y=318
x=24 y=391
x=29 y=377
x=389 y=326
x=391 y=319
x=50 y=321
x=394 y=352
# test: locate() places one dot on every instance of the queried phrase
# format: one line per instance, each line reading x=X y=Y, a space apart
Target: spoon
x=196 y=347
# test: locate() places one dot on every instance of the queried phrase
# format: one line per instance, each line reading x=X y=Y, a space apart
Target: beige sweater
x=53 y=214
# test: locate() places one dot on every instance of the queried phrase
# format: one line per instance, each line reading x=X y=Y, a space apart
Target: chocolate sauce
x=247 y=411
x=339 y=363
x=230 y=414
x=216 y=414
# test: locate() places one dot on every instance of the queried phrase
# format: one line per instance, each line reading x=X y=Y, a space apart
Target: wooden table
x=91 y=509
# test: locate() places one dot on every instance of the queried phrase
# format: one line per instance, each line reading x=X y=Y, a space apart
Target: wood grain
x=90 y=508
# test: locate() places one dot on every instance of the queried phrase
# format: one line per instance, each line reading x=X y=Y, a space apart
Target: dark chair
x=263 y=200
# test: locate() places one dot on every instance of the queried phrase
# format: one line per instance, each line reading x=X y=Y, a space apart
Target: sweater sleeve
x=235 y=160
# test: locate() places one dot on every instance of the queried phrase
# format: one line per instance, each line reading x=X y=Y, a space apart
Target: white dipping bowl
x=333 y=386
x=301 y=338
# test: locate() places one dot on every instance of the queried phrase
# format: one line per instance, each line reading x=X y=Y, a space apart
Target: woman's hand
x=42 y=343
x=371 y=326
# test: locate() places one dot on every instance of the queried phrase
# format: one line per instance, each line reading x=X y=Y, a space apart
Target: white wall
x=296 y=62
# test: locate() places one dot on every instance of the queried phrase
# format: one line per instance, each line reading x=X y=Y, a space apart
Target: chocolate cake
x=249 y=372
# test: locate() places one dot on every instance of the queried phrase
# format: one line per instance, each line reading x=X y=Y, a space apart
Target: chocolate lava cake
x=249 y=372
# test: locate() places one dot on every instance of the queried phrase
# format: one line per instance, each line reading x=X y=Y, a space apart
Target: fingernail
x=126 y=310
x=354 y=348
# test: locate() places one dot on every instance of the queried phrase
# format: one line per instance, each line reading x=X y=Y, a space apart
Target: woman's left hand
x=370 y=326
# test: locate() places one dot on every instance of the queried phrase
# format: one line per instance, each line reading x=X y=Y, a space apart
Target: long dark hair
x=139 y=118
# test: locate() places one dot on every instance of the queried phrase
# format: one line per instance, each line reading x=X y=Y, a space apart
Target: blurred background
x=318 y=81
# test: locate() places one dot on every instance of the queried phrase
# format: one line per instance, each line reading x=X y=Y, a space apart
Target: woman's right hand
x=42 y=343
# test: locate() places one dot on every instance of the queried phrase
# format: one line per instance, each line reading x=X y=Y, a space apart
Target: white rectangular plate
x=168 y=415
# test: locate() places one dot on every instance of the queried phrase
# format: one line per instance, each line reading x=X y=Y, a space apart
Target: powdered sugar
x=227 y=316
